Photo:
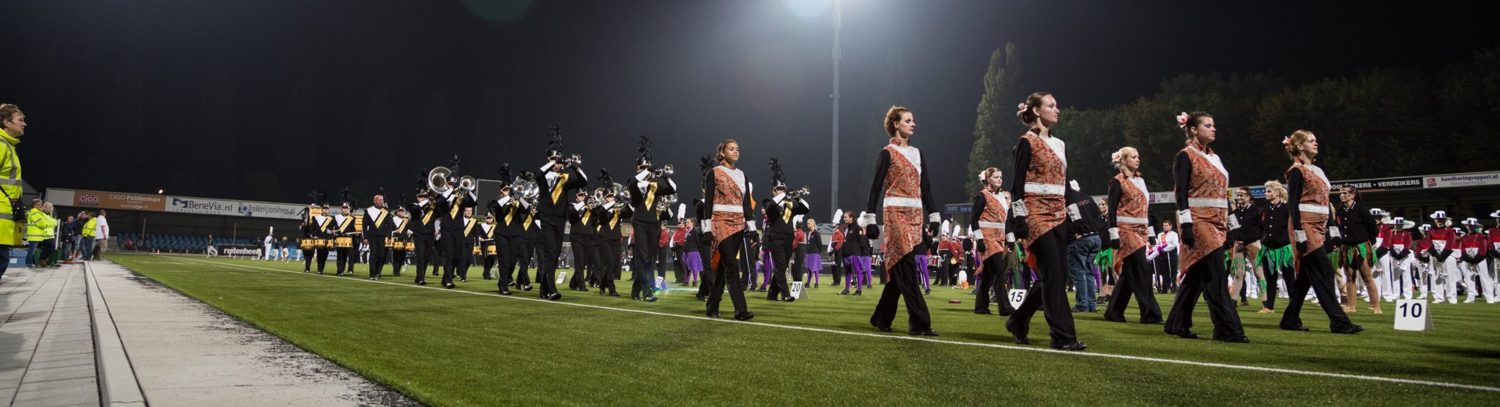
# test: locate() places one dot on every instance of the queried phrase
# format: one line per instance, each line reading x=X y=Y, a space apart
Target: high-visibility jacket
x=88 y=228
x=10 y=185
x=40 y=226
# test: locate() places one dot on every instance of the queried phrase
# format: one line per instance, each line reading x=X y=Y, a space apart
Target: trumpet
x=664 y=171
x=800 y=192
x=571 y=161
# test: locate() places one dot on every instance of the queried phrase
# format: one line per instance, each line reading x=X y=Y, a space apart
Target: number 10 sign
x=1413 y=315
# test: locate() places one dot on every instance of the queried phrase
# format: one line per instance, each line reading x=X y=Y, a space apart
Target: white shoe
x=1469 y=301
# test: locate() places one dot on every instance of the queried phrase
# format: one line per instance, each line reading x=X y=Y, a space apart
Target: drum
x=409 y=246
x=490 y=249
x=327 y=243
x=308 y=244
x=476 y=250
x=345 y=242
x=390 y=242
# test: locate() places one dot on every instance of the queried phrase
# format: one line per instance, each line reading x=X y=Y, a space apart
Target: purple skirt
x=814 y=262
x=692 y=261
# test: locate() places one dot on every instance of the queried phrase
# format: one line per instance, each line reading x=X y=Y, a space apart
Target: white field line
x=914 y=338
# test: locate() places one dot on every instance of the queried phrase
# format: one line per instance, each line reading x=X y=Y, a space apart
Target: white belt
x=729 y=208
x=1220 y=203
x=1131 y=220
x=996 y=225
x=1314 y=208
x=903 y=202
x=1044 y=189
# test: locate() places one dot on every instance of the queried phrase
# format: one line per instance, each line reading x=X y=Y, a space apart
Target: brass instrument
x=437 y=180
x=800 y=192
x=571 y=161
x=466 y=183
x=664 y=171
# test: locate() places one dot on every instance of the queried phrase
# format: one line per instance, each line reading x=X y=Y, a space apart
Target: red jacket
x=1474 y=247
x=1384 y=236
x=838 y=239
x=1445 y=237
x=798 y=238
x=679 y=237
x=665 y=237
x=1400 y=244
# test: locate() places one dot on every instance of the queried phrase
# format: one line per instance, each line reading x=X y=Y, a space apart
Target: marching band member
x=1398 y=261
x=901 y=188
x=726 y=187
x=470 y=244
x=814 y=253
x=1276 y=256
x=1383 y=275
x=646 y=195
x=1494 y=251
x=1443 y=264
x=678 y=245
x=988 y=226
x=1313 y=230
x=1474 y=260
x=346 y=236
x=1201 y=185
x=400 y=239
x=314 y=235
x=378 y=227
x=454 y=206
x=1359 y=228
x=850 y=250
x=780 y=233
x=488 y=245
x=1245 y=232
x=424 y=235
x=584 y=235
x=609 y=215
x=562 y=176
x=1422 y=247
x=509 y=211
x=691 y=259
x=1128 y=228
x=1037 y=216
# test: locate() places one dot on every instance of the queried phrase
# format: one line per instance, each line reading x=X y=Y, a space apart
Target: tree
x=1001 y=84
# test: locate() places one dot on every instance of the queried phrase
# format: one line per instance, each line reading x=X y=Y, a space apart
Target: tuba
x=466 y=183
x=437 y=180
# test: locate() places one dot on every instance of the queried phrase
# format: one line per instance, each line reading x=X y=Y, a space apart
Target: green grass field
x=471 y=346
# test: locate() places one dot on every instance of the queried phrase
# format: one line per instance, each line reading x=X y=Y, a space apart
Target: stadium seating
x=170 y=243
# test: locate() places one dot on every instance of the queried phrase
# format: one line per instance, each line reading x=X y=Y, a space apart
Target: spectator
x=33 y=231
x=101 y=234
x=87 y=231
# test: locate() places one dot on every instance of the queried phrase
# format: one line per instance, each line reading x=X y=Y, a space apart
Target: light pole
x=833 y=191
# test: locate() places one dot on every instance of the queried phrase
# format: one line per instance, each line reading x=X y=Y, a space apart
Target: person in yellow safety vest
x=41 y=233
x=88 y=235
x=12 y=127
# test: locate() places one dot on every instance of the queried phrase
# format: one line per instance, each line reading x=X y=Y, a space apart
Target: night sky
x=267 y=100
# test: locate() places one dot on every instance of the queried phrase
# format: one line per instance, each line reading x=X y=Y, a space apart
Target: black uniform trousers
x=454 y=249
x=609 y=264
x=1135 y=279
x=905 y=284
x=992 y=284
x=1207 y=278
x=583 y=259
x=398 y=259
x=508 y=248
x=346 y=259
x=644 y=250
x=307 y=257
x=1049 y=293
x=678 y=270
x=423 y=248
x=377 y=257
x=732 y=261
x=1316 y=272
x=781 y=255
x=523 y=261
x=549 y=246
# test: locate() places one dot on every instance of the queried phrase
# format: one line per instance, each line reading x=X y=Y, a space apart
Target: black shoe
x=927 y=291
x=504 y=292
x=859 y=292
x=306 y=271
x=1113 y=319
x=1016 y=332
x=1183 y=334
x=1349 y=329
x=449 y=286
x=882 y=328
x=744 y=316
x=982 y=311
x=421 y=282
x=463 y=279
x=1153 y=322
x=845 y=292
x=701 y=297
x=1295 y=328
x=1075 y=346
x=614 y=294
x=713 y=314
x=397 y=274
x=554 y=296
x=922 y=332
x=526 y=287
x=1236 y=339
x=649 y=299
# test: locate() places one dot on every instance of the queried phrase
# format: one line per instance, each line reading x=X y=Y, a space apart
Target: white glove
x=1151 y=230
x=1333 y=231
x=1114 y=233
x=933 y=217
x=978 y=234
x=1379 y=241
x=1185 y=216
x=1301 y=236
x=750 y=226
x=1234 y=222
x=866 y=219
x=1010 y=237
x=1018 y=208
x=1073 y=213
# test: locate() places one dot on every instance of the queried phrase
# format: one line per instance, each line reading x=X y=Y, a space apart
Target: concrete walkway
x=98 y=334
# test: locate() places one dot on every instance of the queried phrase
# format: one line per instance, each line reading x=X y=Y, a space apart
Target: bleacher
x=167 y=243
